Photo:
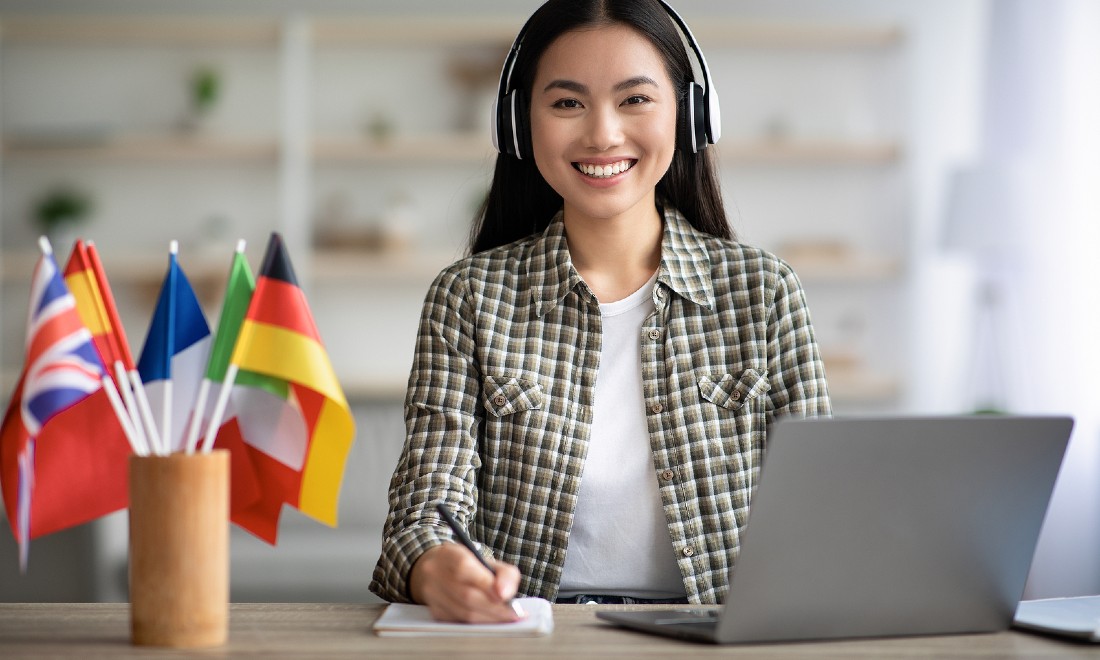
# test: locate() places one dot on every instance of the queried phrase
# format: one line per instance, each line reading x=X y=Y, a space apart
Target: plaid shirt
x=499 y=404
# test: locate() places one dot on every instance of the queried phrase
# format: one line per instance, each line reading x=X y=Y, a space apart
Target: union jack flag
x=62 y=369
x=63 y=365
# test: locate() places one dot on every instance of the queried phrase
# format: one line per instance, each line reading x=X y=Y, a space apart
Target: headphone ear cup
x=521 y=119
x=503 y=138
x=692 y=131
x=512 y=135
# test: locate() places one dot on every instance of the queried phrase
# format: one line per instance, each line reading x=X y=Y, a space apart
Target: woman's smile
x=605 y=171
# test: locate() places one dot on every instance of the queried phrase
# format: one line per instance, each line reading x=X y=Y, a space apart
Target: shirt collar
x=685 y=264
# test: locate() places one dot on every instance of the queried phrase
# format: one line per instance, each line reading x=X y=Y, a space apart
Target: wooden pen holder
x=179 y=549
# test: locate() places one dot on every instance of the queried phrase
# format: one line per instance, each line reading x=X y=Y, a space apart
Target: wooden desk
x=344 y=630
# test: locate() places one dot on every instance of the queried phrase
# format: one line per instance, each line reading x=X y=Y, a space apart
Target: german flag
x=298 y=435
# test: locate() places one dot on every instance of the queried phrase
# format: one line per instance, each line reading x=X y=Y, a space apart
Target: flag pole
x=219 y=408
x=123 y=416
x=147 y=414
x=166 y=408
x=127 y=390
x=195 y=423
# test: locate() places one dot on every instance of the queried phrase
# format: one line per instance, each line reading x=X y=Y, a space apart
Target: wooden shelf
x=134 y=30
x=360 y=267
x=357 y=149
x=405 y=30
x=141 y=267
x=806 y=152
x=848 y=269
x=165 y=148
x=761 y=34
x=862 y=387
x=844 y=387
x=362 y=29
x=326 y=265
x=487 y=30
x=459 y=148
x=443 y=148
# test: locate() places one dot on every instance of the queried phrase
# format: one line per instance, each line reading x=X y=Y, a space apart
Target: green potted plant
x=204 y=88
x=59 y=212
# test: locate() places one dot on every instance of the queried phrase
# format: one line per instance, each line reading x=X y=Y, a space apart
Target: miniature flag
x=91 y=303
x=88 y=283
x=244 y=488
x=298 y=440
x=174 y=356
x=63 y=457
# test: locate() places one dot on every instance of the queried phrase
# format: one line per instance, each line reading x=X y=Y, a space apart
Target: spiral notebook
x=404 y=620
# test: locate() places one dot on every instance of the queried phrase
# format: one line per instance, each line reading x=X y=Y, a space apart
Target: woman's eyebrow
x=636 y=81
x=579 y=88
x=567 y=85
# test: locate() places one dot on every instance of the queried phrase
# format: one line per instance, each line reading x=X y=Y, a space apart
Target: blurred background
x=929 y=168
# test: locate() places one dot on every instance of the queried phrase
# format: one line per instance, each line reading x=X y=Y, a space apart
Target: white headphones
x=699 y=125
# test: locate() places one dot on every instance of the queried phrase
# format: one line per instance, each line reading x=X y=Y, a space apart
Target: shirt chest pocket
x=506 y=395
x=733 y=392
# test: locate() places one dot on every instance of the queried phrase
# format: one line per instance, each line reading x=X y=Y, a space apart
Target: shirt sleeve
x=439 y=462
x=795 y=369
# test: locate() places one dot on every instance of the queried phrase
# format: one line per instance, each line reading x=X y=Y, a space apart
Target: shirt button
x=736 y=396
x=688 y=551
x=667 y=475
x=654 y=334
x=499 y=400
x=656 y=408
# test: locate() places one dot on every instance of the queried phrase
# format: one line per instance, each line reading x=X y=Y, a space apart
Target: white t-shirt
x=619 y=542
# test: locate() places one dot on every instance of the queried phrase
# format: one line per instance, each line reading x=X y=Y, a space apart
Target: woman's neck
x=615 y=256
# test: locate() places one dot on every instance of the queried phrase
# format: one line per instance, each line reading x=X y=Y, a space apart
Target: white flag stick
x=166 y=420
x=219 y=408
x=166 y=438
x=131 y=406
x=123 y=417
x=195 y=424
x=147 y=414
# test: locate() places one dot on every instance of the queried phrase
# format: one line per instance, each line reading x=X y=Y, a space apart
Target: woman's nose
x=603 y=129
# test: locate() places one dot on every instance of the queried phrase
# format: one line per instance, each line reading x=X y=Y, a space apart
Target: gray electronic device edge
x=871 y=527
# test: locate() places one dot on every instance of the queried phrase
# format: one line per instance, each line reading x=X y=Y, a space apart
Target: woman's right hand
x=455 y=586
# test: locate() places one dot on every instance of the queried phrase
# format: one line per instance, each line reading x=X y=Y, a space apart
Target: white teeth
x=605 y=171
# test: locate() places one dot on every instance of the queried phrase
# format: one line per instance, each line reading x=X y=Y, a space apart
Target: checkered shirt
x=499 y=404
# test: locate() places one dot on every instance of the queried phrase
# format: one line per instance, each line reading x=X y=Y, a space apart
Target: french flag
x=173 y=359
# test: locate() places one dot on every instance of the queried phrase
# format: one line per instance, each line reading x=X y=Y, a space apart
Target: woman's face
x=603 y=121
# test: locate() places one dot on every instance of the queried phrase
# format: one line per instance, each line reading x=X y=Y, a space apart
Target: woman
x=591 y=389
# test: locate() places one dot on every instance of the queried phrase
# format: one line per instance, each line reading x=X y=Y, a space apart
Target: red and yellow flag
x=300 y=434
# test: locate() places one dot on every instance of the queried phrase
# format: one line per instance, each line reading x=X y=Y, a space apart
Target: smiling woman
x=592 y=387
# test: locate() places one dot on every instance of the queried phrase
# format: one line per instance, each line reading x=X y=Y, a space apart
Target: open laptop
x=877 y=527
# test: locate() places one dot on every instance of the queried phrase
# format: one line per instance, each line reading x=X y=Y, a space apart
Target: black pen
x=465 y=540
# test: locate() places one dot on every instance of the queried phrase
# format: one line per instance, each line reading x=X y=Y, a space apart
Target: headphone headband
x=703 y=114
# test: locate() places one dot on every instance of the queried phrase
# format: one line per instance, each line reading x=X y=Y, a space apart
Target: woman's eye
x=567 y=104
x=634 y=100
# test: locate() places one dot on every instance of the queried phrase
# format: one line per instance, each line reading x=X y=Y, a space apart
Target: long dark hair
x=520 y=202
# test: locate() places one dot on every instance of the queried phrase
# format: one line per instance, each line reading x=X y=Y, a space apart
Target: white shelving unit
x=295 y=146
x=307 y=166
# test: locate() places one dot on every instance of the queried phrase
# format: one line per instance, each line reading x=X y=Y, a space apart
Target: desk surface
x=335 y=630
